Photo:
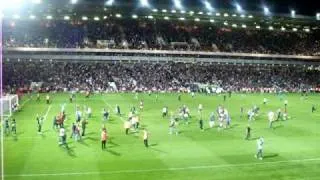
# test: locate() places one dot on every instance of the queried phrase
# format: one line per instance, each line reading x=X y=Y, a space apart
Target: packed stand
x=164 y=35
x=158 y=77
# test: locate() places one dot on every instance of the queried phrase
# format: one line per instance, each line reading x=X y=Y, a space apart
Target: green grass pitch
x=291 y=149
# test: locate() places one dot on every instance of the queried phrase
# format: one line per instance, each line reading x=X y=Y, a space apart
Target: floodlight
x=164 y=10
x=178 y=4
x=10 y=4
x=283 y=28
x=109 y=2
x=244 y=26
x=73 y=1
x=181 y=18
x=318 y=16
x=155 y=10
x=197 y=19
x=84 y=18
x=166 y=18
x=134 y=16
x=32 y=17
x=49 y=17
x=212 y=20
x=266 y=10
x=66 y=18
x=16 y=16
x=293 y=13
x=270 y=28
x=150 y=17
x=36 y=1
x=239 y=8
x=208 y=5
x=118 y=15
x=96 y=18
x=144 y=3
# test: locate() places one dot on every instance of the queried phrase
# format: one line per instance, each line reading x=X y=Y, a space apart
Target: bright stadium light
x=270 y=28
x=197 y=19
x=118 y=15
x=134 y=16
x=209 y=13
x=244 y=26
x=208 y=5
x=293 y=13
x=182 y=12
x=226 y=15
x=66 y=18
x=294 y=29
x=173 y=11
x=181 y=18
x=318 y=16
x=200 y=13
x=212 y=20
x=154 y=10
x=234 y=25
x=164 y=10
x=73 y=1
x=166 y=18
x=49 y=17
x=96 y=18
x=16 y=16
x=10 y=4
x=258 y=27
x=307 y=30
x=150 y=17
x=178 y=4
x=239 y=8
x=242 y=16
x=250 y=16
x=226 y=23
x=32 y=17
x=266 y=10
x=283 y=28
x=144 y=3
x=218 y=14
x=84 y=18
x=109 y=2
x=191 y=13
x=36 y=1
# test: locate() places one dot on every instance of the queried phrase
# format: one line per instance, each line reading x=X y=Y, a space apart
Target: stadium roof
x=224 y=11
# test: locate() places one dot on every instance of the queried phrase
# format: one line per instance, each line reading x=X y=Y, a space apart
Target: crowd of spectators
x=155 y=76
x=165 y=35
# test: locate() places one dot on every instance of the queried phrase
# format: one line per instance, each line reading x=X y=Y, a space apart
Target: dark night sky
x=304 y=7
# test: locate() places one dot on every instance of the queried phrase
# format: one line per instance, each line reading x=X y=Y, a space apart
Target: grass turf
x=291 y=149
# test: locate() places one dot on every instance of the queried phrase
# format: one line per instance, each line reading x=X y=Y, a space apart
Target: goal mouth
x=9 y=104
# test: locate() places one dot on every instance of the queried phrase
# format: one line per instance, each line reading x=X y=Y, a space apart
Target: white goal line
x=161 y=169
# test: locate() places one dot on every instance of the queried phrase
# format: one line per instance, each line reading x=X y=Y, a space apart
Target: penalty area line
x=163 y=169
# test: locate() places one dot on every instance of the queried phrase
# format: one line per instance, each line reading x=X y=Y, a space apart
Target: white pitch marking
x=159 y=170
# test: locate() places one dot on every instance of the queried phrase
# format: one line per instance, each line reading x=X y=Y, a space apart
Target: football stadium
x=170 y=89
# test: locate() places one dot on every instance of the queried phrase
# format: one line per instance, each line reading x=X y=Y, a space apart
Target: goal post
x=9 y=103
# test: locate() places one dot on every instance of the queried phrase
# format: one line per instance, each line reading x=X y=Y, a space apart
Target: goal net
x=8 y=105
